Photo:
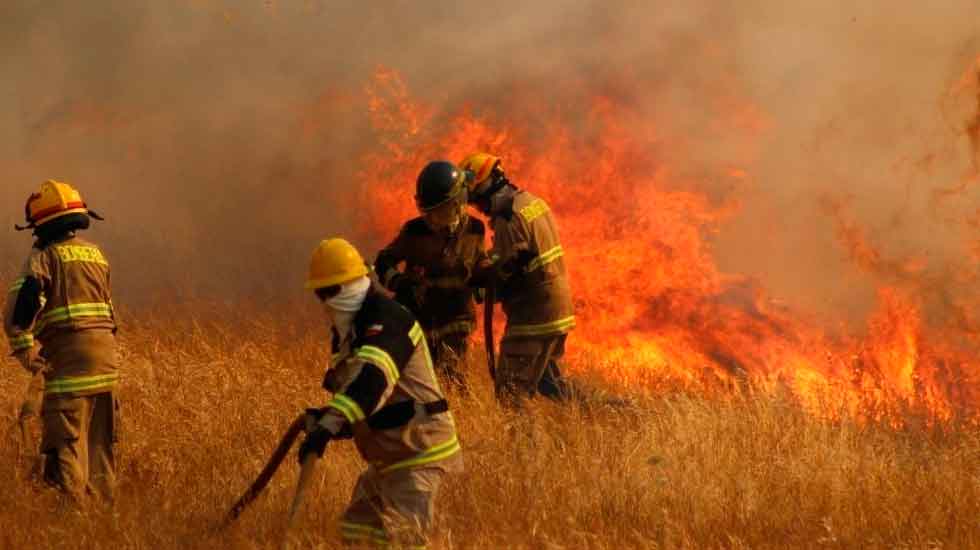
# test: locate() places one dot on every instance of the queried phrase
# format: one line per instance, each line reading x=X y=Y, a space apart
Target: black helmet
x=438 y=183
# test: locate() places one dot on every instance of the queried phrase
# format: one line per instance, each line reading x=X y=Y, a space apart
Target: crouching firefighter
x=439 y=251
x=59 y=321
x=385 y=395
x=527 y=273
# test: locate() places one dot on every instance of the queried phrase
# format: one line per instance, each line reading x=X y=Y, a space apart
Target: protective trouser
x=77 y=442
x=449 y=355
x=33 y=398
x=529 y=365
x=393 y=510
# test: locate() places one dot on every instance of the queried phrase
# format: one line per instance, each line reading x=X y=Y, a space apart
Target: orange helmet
x=483 y=171
x=481 y=165
x=54 y=200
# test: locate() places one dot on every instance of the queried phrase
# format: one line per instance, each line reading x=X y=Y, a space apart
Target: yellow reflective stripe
x=15 y=287
x=81 y=383
x=433 y=454
x=95 y=309
x=418 y=337
x=535 y=210
x=546 y=258
x=416 y=334
x=22 y=342
x=457 y=327
x=348 y=527
x=81 y=254
x=380 y=357
x=348 y=407
x=561 y=325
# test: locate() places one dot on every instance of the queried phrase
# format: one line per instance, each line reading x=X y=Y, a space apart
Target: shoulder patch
x=534 y=210
x=383 y=328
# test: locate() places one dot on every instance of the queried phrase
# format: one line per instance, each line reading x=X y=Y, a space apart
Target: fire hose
x=488 y=305
x=265 y=476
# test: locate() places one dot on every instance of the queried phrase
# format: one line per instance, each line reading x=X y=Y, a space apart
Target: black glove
x=409 y=291
x=316 y=435
x=517 y=263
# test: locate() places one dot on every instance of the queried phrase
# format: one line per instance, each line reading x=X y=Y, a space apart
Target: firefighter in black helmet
x=429 y=264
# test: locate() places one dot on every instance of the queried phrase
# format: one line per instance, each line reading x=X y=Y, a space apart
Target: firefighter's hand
x=409 y=291
x=29 y=360
x=407 y=282
x=314 y=442
x=317 y=435
x=523 y=258
x=517 y=263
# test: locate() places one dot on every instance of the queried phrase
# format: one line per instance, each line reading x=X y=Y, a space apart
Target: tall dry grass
x=208 y=389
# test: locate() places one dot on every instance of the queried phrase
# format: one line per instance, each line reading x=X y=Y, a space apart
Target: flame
x=654 y=309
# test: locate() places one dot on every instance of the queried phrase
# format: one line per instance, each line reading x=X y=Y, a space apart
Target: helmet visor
x=447 y=215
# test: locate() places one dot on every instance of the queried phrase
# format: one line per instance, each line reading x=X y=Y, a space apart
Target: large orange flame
x=654 y=308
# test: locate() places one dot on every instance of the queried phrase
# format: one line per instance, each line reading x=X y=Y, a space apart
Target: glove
x=317 y=436
x=409 y=291
x=517 y=263
x=30 y=361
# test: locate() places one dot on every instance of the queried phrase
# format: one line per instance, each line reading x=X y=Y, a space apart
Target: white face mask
x=340 y=320
x=341 y=308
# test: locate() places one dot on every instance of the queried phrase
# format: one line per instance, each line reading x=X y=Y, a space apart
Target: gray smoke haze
x=217 y=136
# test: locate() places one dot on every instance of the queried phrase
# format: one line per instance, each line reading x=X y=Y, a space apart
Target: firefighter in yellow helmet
x=59 y=322
x=385 y=396
x=527 y=269
x=437 y=253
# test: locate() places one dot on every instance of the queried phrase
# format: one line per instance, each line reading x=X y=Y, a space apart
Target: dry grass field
x=208 y=390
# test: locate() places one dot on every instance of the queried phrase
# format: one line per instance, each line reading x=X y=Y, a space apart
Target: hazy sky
x=214 y=136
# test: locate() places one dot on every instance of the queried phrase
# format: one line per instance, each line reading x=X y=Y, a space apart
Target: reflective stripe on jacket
x=385 y=363
x=537 y=300
x=75 y=324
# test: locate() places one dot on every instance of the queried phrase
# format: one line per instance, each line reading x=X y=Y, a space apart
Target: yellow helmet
x=54 y=200
x=335 y=262
x=480 y=165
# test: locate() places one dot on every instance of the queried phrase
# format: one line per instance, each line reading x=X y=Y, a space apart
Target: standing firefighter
x=386 y=395
x=62 y=302
x=440 y=250
x=528 y=274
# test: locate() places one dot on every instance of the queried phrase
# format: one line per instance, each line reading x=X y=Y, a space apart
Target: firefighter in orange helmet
x=59 y=321
x=385 y=395
x=438 y=252
x=528 y=270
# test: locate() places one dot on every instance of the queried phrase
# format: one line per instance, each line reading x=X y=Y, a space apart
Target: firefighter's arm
x=510 y=255
x=386 y=264
x=367 y=392
x=25 y=298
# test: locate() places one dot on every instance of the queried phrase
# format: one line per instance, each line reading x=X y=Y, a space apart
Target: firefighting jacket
x=444 y=262
x=62 y=301
x=385 y=391
x=536 y=298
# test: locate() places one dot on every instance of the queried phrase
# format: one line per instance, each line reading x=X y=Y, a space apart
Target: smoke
x=221 y=138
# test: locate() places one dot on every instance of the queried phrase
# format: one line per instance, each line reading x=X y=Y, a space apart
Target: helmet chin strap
x=91 y=213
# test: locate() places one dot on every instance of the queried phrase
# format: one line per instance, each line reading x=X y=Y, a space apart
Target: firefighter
x=59 y=321
x=438 y=251
x=386 y=396
x=527 y=269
